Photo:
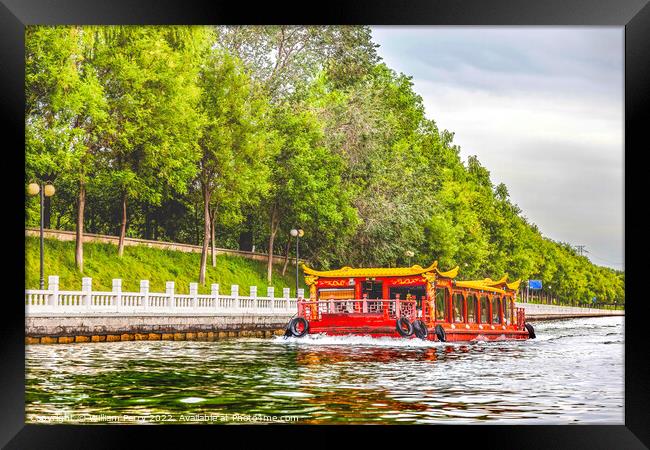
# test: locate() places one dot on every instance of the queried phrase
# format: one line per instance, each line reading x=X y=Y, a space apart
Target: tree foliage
x=211 y=132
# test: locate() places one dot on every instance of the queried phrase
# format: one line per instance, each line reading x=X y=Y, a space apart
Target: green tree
x=66 y=110
x=306 y=189
x=286 y=58
x=196 y=130
x=379 y=129
x=235 y=143
x=150 y=78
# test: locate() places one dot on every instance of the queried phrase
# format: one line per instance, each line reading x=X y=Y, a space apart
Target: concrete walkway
x=547 y=312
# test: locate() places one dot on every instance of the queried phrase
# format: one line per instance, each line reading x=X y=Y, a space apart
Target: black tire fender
x=531 y=330
x=287 y=329
x=440 y=333
x=293 y=326
x=401 y=323
x=420 y=329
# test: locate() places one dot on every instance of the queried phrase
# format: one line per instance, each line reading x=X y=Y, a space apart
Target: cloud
x=542 y=108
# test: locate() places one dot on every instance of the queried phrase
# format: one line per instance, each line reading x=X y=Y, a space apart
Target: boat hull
x=451 y=336
x=380 y=326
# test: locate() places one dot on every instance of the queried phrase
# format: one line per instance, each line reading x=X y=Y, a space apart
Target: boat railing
x=521 y=318
x=389 y=308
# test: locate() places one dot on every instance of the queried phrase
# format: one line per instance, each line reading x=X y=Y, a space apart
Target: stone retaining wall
x=189 y=336
x=55 y=327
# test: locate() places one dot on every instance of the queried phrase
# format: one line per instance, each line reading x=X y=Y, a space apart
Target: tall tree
x=306 y=189
x=66 y=110
x=378 y=127
x=150 y=76
x=235 y=143
x=285 y=59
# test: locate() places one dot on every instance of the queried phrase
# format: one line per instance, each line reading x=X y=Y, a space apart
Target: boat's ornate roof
x=503 y=283
x=487 y=284
x=479 y=285
x=380 y=271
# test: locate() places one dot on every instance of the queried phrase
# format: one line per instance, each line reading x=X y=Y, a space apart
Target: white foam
x=192 y=400
x=356 y=340
x=291 y=394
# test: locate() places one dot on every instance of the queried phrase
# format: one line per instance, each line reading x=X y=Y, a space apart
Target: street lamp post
x=297 y=233
x=45 y=190
x=409 y=254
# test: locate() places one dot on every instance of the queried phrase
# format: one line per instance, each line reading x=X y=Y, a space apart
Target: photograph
x=324 y=224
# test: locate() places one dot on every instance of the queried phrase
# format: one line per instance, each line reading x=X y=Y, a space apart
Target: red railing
x=389 y=308
x=521 y=318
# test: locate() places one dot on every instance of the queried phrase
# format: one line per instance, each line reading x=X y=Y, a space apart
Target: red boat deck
x=380 y=324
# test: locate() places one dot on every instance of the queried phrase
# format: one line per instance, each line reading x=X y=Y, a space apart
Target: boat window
x=485 y=309
x=441 y=304
x=336 y=294
x=459 y=307
x=408 y=292
x=507 y=305
x=373 y=289
x=472 y=307
x=496 y=310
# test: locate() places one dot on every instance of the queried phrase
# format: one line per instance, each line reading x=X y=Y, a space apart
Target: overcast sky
x=541 y=107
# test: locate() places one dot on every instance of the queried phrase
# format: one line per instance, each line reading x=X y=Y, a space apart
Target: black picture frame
x=634 y=15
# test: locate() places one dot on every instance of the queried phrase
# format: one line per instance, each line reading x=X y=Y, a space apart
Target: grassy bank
x=141 y=263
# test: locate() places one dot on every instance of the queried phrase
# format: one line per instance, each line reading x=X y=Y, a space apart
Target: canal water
x=572 y=373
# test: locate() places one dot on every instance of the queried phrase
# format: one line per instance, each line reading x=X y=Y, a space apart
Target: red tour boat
x=409 y=302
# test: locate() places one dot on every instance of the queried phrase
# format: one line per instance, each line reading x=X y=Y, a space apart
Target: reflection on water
x=572 y=373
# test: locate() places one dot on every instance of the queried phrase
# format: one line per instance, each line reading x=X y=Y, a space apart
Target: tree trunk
x=286 y=257
x=206 y=233
x=79 y=245
x=120 y=248
x=246 y=240
x=196 y=227
x=274 y=230
x=147 y=223
x=246 y=236
x=212 y=241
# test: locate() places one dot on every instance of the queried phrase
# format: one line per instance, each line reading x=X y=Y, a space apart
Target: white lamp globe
x=33 y=188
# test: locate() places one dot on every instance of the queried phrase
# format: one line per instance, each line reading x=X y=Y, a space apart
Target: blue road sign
x=535 y=284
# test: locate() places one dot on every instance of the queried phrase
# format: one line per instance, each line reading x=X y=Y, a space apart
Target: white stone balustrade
x=53 y=287
x=117 y=291
x=53 y=302
x=144 y=292
x=87 y=287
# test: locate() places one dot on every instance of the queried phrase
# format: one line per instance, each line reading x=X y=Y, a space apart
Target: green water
x=572 y=373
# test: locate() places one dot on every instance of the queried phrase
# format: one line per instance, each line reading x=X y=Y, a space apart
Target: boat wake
x=323 y=339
